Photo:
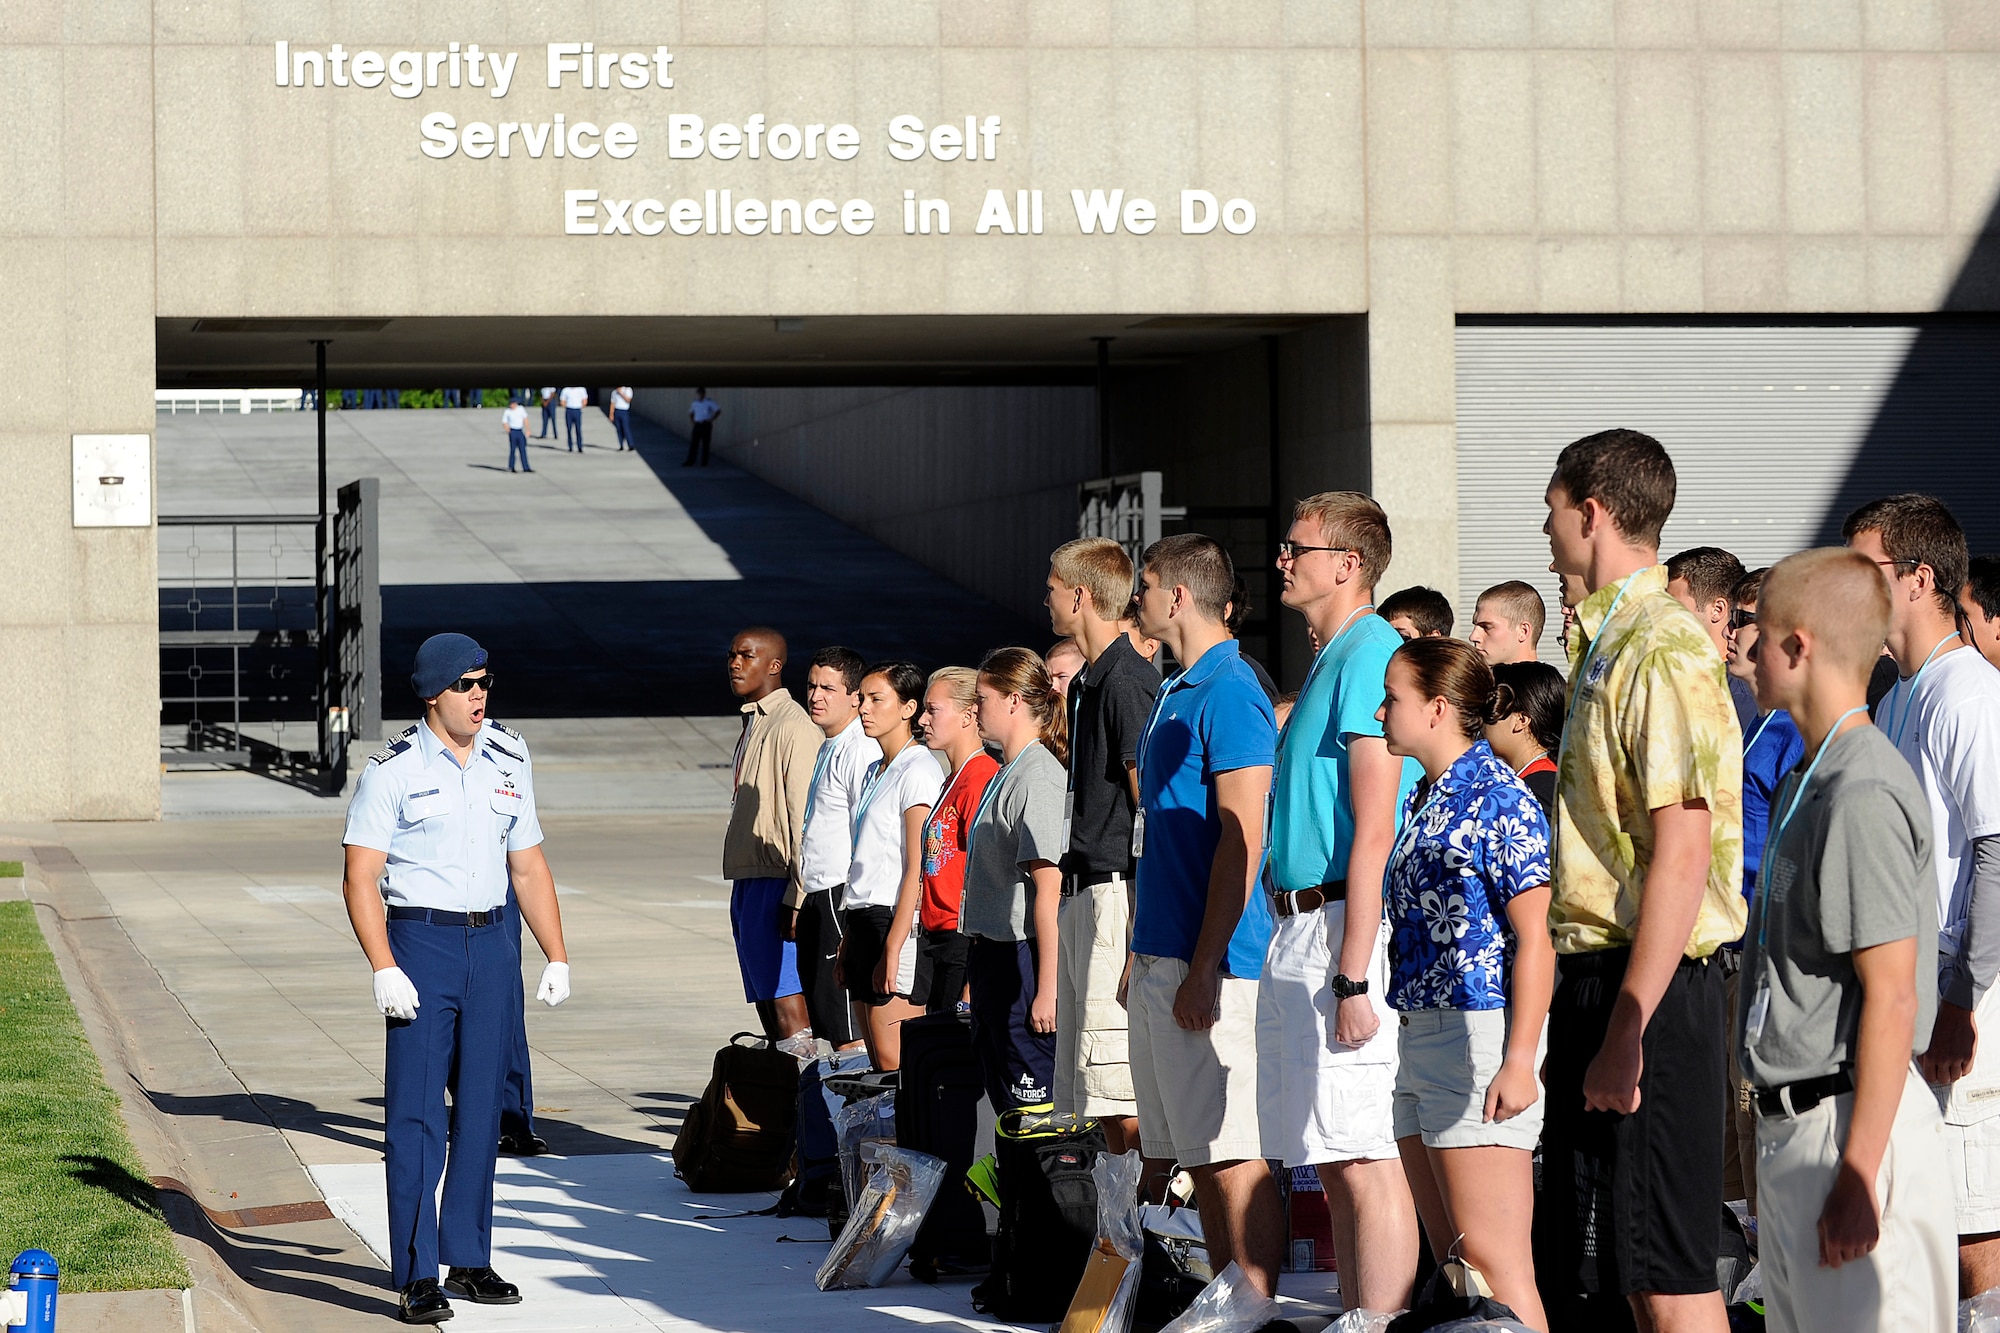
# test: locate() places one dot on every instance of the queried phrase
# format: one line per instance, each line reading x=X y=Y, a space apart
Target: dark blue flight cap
x=442 y=659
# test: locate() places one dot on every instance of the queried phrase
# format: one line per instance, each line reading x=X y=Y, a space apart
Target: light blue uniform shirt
x=447 y=830
x=1312 y=805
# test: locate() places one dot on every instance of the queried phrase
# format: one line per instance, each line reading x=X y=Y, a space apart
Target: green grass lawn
x=70 y=1181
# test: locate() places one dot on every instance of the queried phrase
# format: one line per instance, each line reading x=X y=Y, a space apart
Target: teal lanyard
x=992 y=790
x=812 y=789
x=1758 y=734
x=874 y=788
x=1590 y=656
x=1784 y=822
x=1905 y=699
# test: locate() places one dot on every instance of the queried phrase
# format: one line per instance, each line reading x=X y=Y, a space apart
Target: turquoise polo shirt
x=1212 y=718
x=1312 y=807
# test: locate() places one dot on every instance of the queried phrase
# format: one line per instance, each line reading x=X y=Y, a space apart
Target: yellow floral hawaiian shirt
x=1650 y=725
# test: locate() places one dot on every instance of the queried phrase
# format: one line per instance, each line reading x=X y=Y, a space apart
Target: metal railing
x=245 y=401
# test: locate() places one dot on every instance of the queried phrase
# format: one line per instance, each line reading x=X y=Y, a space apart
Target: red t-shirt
x=944 y=842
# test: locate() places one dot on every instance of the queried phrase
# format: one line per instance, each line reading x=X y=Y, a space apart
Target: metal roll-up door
x=1776 y=432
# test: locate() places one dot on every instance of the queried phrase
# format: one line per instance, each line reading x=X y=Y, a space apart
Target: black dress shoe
x=481 y=1286
x=523 y=1145
x=423 y=1303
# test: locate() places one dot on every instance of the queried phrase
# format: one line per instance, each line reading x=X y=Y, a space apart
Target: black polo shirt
x=1110 y=703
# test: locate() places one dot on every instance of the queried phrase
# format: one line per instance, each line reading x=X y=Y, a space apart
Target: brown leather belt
x=1297 y=902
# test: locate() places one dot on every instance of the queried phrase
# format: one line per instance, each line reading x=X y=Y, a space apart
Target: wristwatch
x=1347 y=990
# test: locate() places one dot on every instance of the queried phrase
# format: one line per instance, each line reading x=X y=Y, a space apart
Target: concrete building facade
x=1335 y=186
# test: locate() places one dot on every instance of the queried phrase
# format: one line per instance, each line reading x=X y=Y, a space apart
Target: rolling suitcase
x=937 y=1112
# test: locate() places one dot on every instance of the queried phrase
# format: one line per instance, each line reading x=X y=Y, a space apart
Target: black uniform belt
x=1795 y=1099
x=1075 y=884
x=1297 y=902
x=492 y=916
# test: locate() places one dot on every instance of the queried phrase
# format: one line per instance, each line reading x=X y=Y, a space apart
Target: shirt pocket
x=508 y=803
x=421 y=806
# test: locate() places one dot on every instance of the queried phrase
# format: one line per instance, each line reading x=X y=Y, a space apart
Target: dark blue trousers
x=517 y=445
x=1019 y=1063
x=573 y=428
x=548 y=420
x=468 y=981
x=517 y=1093
x=621 y=425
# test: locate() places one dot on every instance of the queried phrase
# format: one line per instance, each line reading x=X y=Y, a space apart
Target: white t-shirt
x=704 y=409
x=621 y=399
x=575 y=397
x=548 y=393
x=914 y=777
x=839 y=772
x=1948 y=727
x=516 y=417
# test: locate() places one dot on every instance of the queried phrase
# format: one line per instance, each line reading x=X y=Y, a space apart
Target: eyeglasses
x=1293 y=550
x=1739 y=618
x=1895 y=564
x=467 y=684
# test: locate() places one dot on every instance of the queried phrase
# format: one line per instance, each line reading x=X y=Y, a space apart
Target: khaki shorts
x=1093 y=1060
x=1314 y=1103
x=1450 y=1058
x=1197 y=1091
x=1971 y=1109
x=1909 y=1282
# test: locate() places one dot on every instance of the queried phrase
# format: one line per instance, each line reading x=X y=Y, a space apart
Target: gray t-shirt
x=1852 y=870
x=1020 y=819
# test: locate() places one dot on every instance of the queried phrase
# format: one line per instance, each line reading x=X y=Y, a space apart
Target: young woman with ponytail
x=878 y=947
x=951 y=730
x=1012 y=884
x=1471 y=968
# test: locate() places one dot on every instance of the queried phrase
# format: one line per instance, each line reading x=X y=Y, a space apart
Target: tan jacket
x=767 y=817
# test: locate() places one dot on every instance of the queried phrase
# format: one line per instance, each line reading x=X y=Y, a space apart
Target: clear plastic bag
x=1362 y=1321
x=1109 y=1291
x=1981 y=1314
x=883 y=1220
x=868 y=1124
x=1483 y=1326
x=1227 y=1305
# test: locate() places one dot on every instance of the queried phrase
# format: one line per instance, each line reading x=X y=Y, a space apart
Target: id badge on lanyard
x=1138 y=833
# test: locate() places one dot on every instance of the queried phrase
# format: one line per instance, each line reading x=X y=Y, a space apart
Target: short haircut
x=1239 y=606
x=850 y=664
x=1060 y=647
x=1710 y=571
x=1982 y=583
x=1426 y=607
x=1839 y=595
x=1521 y=604
x=1917 y=530
x=1628 y=473
x=1100 y=567
x=1748 y=587
x=1351 y=520
x=1536 y=691
x=1199 y=564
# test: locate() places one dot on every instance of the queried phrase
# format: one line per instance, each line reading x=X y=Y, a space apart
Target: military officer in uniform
x=442 y=819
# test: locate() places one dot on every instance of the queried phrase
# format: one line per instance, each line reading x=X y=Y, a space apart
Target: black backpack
x=816 y=1166
x=1048 y=1215
x=738 y=1137
x=937 y=1112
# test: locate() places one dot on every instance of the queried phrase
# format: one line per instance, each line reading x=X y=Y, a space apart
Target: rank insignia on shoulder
x=395 y=747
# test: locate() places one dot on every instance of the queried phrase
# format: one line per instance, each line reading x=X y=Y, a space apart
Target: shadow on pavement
x=312 y=1270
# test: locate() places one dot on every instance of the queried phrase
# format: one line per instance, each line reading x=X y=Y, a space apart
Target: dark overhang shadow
x=1938 y=428
x=657 y=647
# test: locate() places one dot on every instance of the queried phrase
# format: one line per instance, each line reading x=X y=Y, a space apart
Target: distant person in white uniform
x=621 y=416
x=548 y=413
x=515 y=418
x=574 y=400
x=703 y=412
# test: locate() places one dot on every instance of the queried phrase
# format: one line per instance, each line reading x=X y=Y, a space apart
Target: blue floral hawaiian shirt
x=1469 y=843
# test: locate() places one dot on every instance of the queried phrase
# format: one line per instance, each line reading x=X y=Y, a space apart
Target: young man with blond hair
x=1648 y=885
x=1109 y=699
x=1507 y=623
x=1943 y=714
x=1326 y=1044
x=1839 y=984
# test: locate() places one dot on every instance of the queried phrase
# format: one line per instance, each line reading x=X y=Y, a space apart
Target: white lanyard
x=937 y=811
x=992 y=790
x=1905 y=698
x=1589 y=657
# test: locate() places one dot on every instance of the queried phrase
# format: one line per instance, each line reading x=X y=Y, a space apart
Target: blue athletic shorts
x=769 y=962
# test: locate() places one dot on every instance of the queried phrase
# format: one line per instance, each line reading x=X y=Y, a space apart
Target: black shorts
x=1632 y=1203
x=818 y=945
x=864 y=932
x=942 y=954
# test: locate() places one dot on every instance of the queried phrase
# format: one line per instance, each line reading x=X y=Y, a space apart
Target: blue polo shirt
x=1772 y=747
x=1212 y=718
x=1312 y=809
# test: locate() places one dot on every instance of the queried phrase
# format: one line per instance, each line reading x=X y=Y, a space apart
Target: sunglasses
x=467 y=684
x=1739 y=618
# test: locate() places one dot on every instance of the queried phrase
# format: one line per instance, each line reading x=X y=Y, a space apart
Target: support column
x=1412 y=410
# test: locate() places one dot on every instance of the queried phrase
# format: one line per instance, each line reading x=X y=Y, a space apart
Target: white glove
x=395 y=994
x=555 y=985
